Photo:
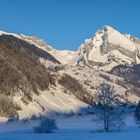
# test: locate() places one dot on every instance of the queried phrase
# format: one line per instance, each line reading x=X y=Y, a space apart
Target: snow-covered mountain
x=106 y=49
x=70 y=80
x=109 y=48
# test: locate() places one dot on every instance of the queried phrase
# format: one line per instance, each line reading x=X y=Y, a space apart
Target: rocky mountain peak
x=107 y=49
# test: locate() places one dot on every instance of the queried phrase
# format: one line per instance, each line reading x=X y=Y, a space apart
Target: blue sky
x=65 y=24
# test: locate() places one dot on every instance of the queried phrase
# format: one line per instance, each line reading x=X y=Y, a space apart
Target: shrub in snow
x=34 y=117
x=137 y=113
x=12 y=118
x=25 y=120
x=47 y=125
x=108 y=112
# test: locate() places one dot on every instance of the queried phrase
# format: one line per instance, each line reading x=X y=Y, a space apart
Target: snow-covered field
x=70 y=128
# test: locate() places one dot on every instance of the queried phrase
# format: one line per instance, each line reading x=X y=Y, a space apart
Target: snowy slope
x=56 y=99
x=63 y=56
x=91 y=79
x=52 y=101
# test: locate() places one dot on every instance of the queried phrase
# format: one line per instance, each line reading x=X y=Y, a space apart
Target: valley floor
x=71 y=128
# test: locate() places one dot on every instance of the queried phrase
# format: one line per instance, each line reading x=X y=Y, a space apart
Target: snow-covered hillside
x=63 y=56
x=61 y=100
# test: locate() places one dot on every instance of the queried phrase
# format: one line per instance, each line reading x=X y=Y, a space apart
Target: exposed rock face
x=131 y=74
x=109 y=48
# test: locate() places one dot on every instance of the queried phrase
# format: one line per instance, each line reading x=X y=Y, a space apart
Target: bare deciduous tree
x=47 y=125
x=109 y=112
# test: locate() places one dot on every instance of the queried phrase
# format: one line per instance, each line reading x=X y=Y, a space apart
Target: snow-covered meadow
x=70 y=128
